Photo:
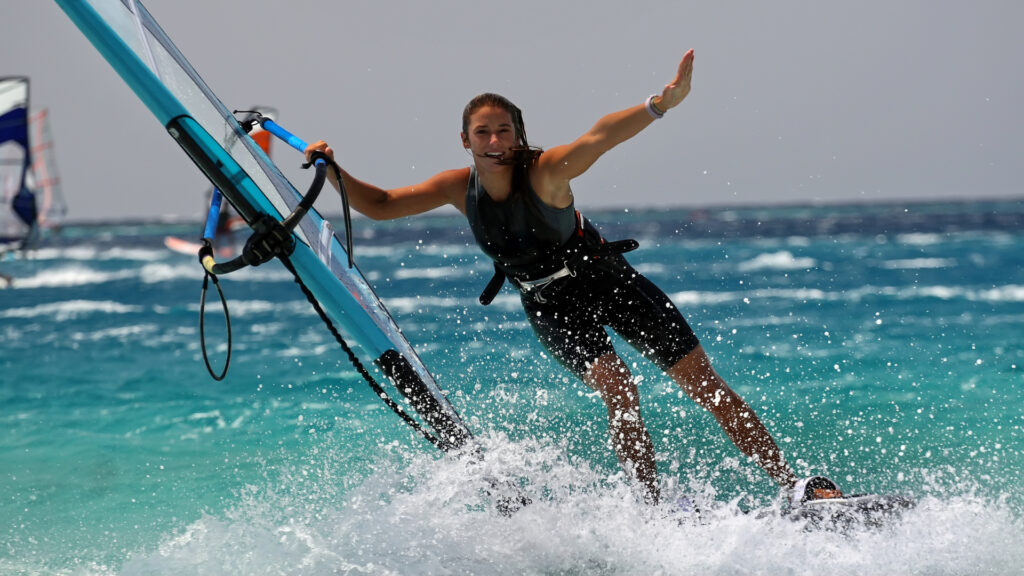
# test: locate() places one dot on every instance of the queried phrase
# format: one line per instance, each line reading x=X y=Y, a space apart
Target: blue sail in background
x=19 y=214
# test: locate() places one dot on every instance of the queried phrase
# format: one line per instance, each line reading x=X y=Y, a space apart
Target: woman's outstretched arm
x=560 y=164
x=448 y=187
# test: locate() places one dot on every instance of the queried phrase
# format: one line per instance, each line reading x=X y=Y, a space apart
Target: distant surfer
x=572 y=283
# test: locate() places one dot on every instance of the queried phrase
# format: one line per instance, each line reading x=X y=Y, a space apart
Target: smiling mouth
x=496 y=155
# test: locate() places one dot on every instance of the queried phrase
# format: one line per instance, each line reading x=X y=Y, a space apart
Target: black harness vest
x=529 y=240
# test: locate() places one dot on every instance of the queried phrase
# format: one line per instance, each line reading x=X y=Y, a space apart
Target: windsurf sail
x=19 y=213
x=43 y=178
x=222 y=222
x=227 y=220
x=32 y=201
x=133 y=43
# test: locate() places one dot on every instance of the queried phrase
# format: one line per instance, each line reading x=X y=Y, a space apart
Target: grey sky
x=792 y=101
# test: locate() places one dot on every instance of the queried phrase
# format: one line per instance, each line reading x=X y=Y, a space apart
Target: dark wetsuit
x=570 y=313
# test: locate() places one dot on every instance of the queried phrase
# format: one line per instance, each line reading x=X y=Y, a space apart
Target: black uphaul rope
x=355 y=360
x=207 y=277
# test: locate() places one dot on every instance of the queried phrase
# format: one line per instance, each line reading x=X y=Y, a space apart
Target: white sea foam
x=920 y=239
x=997 y=294
x=71 y=276
x=70 y=309
x=81 y=274
x=919 y=263
x=1009 y=293
x=88 y=253
x=412 y=304
x=468 y=249
x=696 y=297
x=651 y=268
x=240 y=308
x=422 y=515
x=156 y=273
x=117 y=333
x=132 y=254
x=1012 y=293
x=424 y=273
x=781 y=260
x=371 y=251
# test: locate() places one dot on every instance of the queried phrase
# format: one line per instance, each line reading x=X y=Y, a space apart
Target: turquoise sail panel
x=144 y=56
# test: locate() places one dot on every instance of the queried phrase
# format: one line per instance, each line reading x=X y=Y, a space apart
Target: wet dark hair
x=523 y=155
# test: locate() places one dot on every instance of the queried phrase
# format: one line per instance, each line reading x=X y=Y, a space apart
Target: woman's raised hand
x=679 y=87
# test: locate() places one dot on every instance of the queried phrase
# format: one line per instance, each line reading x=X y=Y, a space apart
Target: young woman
x=519 y=203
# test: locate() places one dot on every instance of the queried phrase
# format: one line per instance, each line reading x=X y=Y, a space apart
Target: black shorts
x=607 y=292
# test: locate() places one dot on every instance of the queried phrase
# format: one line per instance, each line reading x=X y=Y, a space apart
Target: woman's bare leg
x=698 y=379
x=611 y=378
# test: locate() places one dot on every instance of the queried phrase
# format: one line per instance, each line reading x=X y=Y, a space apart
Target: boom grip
x=270 y=238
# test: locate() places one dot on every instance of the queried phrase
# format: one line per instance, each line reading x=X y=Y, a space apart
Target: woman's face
x=491 y=134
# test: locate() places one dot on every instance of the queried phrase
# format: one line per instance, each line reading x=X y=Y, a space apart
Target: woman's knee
x=698 y=379
x=609 y=376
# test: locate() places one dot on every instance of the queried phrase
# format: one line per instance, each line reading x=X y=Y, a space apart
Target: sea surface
x=882 y=345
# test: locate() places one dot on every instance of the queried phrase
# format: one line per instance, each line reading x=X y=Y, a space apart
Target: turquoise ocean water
x=881 y=345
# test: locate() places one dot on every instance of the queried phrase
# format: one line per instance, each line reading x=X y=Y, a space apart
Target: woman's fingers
x=319 y=146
